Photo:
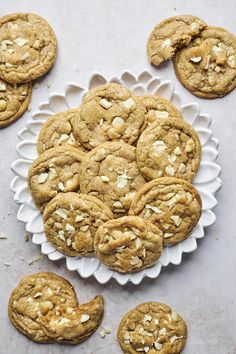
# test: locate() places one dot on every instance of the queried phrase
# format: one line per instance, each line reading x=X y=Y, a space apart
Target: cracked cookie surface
x=58 y=130
x=107 y=113
x=34 y=297
x=54 y=171
x=14 y=100
x=128 y=244
x=172 y=34
x=153 y=328
x=207 y=67
x=110 y=173
x=28 y=47
x=74 y=325
x=172 y=204
x=71 y=221
x=158 y=107
x=169 y=147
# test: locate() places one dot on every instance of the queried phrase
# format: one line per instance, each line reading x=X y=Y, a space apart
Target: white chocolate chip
x=84 y=228
x=231 y=61
x=144 y=253
x=194 y=26
x=156 y=321
x=158 y=346
x=2 y=87
x=135 y=260
x=7 y=42
x=196 y=59
x=166 y=43
x=172 y=158
x=61 y=235
x=174 y=315
x=117 y=204
x=84 y=318
x=189 y=196
x=42 y=177
x=70 y=228
x=20 y=41
x=39 y=294
x=138 y=243
x=10 y=50
x=64 y=137
x=170 y=170
x=9 y=65
x=61 y=186
x=189 y=145
x=79 y=218
x=161 y=114
x=128 y=103
x=163 y=331
x=153 y=208
x=147 y=318
x=117 y=122
x=146 y=349
x=167 y=235
x=174 y=338
x=182 y=168
x=105 y=178
x=68 y=242
x=208 y=62
x=101 y=122
x=62 y=213
x=177 y=220
x=105 y=103
x=117 y=234
x=159 y=146
x=25 y=56
x=177 y=151
x=217 y=69
x=122 y=181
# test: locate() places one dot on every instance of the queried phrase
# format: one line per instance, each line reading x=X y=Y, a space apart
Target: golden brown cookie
x=54 y=171
x=34 y=297
x=128 y=244
x=153 y=328
x=58 y=130
x=107 y=113
x=71 y=221
x=14 y=100
x=170 y=147
x=158 y=107
x=74 y=325
x=110 y=173
x=172 y=34
x=207 y=67
x=28 y=47
x=172 y=204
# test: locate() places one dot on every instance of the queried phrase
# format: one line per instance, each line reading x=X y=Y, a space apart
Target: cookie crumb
x=7 y=264
x=3 y=236
x=37 y=259
x=26 y=237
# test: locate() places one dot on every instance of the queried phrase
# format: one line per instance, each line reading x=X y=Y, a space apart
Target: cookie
x=71 y=221
x=34 y=297
x=207 y=67
x=158 y=107
x=169 y=147
x=14 y=100
x=28 y=47
x=58 y=130
x=172 y=34
x=172 y=204
x=107 y=113
x=54 y=171
x=110 y=173
x=153 y=328
x=74 y=325
x=128 y=244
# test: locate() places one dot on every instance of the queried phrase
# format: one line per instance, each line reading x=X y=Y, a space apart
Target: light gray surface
x=110 y=36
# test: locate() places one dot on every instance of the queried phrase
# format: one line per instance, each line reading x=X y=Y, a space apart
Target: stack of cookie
x=113 y=178
x=27 y=51
x=204 y=56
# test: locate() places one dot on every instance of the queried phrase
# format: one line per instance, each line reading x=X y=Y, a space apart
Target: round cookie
x=14 y=100
x=158 y=107
x=107 y=113
x=71 y=221
x=34 y=297
x=110 y=173
x=172 y=204
x=207 y=67
x=58 y=130
x=128 y=244
x=169 y=147
x=54 y=171
x=74 y=325
x=172 y=34
x=28 y=47
x=153 y=328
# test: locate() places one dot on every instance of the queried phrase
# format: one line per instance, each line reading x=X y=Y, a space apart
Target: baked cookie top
x=128 y=244
x=58 y=130
x=73 y=325
x=169 y=147
x=71 y=221
x=34 y=297
x=153 y=328
x=14 y=100
x=28 y=47
x=110 y=112
x=207 y=67
x=110 y=173
x=54 y=171
x=158 y=107
x=172 y=34
x=172 y=204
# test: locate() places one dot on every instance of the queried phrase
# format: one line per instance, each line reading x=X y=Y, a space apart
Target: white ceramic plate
x=206 y=181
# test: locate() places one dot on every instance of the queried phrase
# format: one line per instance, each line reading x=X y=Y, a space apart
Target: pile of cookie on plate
x=113 y=178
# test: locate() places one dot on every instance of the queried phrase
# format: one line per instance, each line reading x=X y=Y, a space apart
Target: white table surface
x=110 y=36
